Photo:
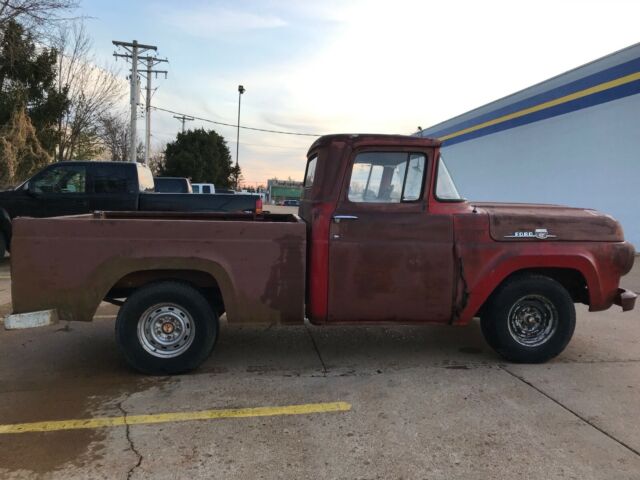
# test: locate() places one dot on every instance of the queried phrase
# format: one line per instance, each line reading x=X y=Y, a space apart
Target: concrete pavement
x=426 y=402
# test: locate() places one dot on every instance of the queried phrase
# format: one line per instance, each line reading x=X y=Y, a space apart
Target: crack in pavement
x=315 y=347
x=571 y=411
x=131 y=445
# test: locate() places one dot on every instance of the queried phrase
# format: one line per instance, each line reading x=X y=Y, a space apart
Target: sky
x=357 y=66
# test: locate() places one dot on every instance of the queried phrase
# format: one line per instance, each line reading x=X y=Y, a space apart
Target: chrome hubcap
x=166 y=330
x=532 y=320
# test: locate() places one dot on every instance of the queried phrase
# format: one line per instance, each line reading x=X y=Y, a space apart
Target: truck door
x=390 y=260
x=58 y=190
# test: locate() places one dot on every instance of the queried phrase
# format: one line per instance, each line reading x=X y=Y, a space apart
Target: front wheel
x=166 y=328
x=529 y=319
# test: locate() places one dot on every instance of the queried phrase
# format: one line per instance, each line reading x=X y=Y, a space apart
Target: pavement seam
x=571 y=411
x=132 y=447
x=315 y=347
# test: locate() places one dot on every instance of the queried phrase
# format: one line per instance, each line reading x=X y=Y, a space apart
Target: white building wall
x=587 y=158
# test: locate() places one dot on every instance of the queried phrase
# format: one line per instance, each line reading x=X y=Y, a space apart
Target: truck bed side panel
x=70 y=263
x=188 y=202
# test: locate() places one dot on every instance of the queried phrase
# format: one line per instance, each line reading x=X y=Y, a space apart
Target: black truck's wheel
x=529 y=319
x=3 y=246
x=166 y=328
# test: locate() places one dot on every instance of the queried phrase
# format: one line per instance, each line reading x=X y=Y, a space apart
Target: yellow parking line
x=83 y=423
x=5 y=277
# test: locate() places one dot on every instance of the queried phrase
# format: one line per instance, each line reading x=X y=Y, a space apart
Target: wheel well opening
x=203 y=281
x=572 y=280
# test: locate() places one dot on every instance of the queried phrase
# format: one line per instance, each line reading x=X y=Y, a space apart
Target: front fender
x=482 y=282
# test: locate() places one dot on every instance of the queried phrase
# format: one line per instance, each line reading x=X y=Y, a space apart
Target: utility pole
x=133 y=49
x=241 y=90
x=151 y=62
x=183 y=118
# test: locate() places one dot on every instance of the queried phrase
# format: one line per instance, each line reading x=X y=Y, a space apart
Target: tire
x=3 y=246
x=529 y=319
x=166 y=328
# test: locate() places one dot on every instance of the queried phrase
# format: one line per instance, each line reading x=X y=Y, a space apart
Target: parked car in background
x=71 y=188
x=172 y=185
x=203 y=188
x=291 y=203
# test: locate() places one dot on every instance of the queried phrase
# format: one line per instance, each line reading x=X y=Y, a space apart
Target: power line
x=183 y=119
x=250 y=144
x=236 y=126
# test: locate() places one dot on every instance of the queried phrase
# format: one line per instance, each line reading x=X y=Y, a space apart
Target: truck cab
x=411 y=249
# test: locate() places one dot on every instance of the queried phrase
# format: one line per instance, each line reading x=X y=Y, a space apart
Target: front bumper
x=626 y=299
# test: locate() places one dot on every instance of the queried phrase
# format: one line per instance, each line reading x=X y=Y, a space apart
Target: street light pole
x=241 y=90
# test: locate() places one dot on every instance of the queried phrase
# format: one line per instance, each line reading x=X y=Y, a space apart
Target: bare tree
x=114 y=134
x=34 y=14
x=92 y=91
x=156 y=161
x=20 y=151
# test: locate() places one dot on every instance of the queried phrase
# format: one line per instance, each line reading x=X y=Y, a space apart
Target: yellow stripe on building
x=552 y=103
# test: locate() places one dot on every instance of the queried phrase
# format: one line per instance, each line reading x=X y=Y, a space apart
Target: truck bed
x=257 y=264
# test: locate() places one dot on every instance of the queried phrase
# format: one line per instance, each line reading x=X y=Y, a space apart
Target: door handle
x=342 y=218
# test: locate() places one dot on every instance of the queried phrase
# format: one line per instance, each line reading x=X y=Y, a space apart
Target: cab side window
x=62 y=179
x=112 y=179
x=387 y=177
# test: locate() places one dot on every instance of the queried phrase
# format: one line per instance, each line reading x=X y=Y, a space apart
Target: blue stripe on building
x=593 y=80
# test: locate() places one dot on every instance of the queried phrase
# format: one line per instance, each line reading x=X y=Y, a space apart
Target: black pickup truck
x=70 y=188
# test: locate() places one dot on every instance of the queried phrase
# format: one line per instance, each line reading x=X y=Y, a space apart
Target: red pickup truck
x=382 y=236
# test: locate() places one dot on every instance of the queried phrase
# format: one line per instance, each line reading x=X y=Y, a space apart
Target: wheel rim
x=532 y=320
x=166 y=330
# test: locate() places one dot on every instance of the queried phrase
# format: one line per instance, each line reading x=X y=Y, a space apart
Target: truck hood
x=519 y=222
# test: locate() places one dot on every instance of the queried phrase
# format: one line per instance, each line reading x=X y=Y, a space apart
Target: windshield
x=445 y=188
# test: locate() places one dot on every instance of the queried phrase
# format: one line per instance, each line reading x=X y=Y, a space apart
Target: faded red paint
x=73 y=263
x=426 y=261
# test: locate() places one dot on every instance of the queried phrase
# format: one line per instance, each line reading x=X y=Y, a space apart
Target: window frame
x=421 y=200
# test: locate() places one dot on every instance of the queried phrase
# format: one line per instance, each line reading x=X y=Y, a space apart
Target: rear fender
x=81 y=304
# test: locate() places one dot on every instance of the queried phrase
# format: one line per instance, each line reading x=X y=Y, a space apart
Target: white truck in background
x=203 y=188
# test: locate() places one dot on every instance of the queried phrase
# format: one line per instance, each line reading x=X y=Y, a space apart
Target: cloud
x=214 y=21
x=382 y=66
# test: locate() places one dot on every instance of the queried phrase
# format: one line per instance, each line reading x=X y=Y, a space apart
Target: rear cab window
x=311 y=171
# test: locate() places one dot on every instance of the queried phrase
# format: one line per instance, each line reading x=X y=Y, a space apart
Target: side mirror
x=30 y=188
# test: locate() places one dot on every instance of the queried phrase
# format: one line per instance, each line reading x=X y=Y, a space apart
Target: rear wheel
x=529 y=319
x=166 y=328
x=3 y=246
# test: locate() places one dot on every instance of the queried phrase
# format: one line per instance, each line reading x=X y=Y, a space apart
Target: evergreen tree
x=202 y=156
x=28 y=81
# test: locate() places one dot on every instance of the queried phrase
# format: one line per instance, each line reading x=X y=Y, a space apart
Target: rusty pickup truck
x=382 y=236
